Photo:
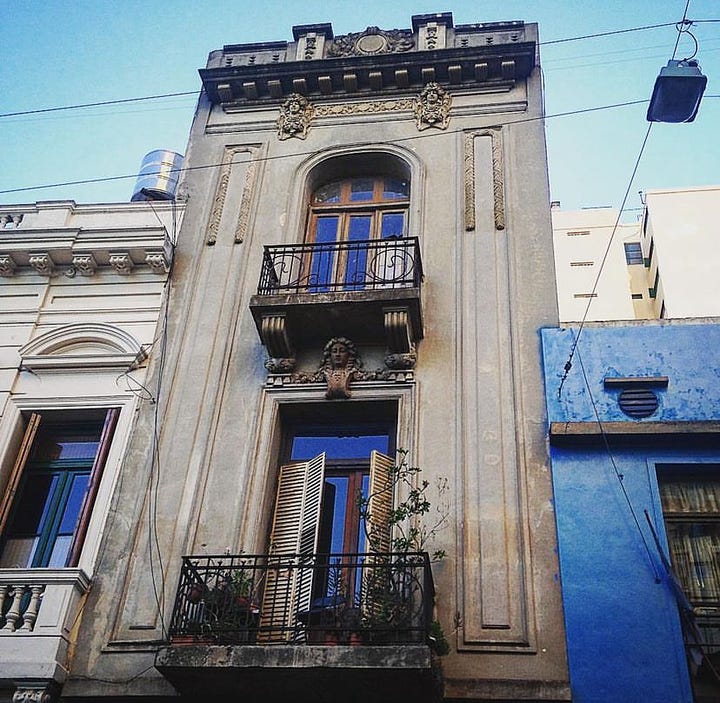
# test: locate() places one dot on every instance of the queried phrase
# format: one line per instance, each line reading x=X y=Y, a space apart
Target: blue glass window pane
x=60 y=551
x=74 y=503
x=51 y=446
x=361 y=189
x=348 y=447
x=323 y=260
x=329 y=193
x=396 y=188
x=355 y=266
x=362 y=532
x=338 y=511
x=33 y=507
x=393 y=224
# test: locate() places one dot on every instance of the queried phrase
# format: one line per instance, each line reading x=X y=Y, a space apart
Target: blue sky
x=62 y=53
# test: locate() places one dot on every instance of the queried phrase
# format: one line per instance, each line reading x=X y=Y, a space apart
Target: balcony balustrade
x=341 y=266
x=351 y=288
x=304 y=599
x=38 y=608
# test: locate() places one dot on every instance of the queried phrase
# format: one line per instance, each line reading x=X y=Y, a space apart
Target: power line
x=106 y=179
x=576 y=339
x=119 y=101
x=102 y=103
x=607 y=34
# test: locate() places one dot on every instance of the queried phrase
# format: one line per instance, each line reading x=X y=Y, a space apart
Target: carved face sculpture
x=339 y=355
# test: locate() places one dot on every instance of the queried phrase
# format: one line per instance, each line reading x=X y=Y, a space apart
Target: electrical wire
x=162 y=96
x=102 y=103
x=155 y=466
x=186 y=169
x=604 y=34
x=576 y=338
x=680 y=25
x=619 y=476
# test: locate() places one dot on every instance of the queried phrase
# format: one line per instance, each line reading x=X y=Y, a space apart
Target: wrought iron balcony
x=378 y=264
x=311 y=291
x=304 y=599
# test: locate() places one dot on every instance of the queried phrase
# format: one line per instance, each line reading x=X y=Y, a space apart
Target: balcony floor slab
x=324 y=673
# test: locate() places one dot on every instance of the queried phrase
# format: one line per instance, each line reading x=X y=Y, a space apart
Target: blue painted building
x=635 y=447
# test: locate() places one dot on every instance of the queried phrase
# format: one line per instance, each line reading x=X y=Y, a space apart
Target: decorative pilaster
x=221 y=194
x=495 y=135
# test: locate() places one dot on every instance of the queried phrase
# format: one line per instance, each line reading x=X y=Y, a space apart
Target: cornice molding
x=369 y=76
x=87 y=252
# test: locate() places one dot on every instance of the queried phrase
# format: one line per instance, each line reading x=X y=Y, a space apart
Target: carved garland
x=495 y=134
x=365 y=107
x=431 y=109
x=221 y=194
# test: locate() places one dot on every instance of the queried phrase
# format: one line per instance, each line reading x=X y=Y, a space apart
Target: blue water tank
x=158 y=177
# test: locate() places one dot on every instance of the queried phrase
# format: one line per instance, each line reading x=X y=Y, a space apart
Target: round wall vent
x=638 y=402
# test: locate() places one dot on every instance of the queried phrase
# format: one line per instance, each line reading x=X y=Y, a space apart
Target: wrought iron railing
x=341 y=266
x=304 y=599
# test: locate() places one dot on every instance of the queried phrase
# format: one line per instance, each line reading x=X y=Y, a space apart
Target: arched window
x=348 y=220
x=358 y=209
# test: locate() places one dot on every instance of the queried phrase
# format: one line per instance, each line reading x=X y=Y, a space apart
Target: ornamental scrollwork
x=296 y=113
x=372 y=41
x=340 y=366
x=432 y=108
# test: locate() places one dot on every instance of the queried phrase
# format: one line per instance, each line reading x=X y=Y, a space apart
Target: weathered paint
x=623 y=630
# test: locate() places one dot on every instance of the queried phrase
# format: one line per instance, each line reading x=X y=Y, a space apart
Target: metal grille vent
x=638 y=402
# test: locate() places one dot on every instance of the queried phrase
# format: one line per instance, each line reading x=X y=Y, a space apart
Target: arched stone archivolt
x=82 y=345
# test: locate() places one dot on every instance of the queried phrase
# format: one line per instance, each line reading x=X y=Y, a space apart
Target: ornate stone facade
x=372 y=41
x=432 y=108
x=295 y=116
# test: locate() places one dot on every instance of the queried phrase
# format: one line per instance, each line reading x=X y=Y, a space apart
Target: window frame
x=346 y=208
x=25 y=467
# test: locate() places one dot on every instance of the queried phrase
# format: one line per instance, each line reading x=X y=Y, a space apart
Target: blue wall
x=623 y=630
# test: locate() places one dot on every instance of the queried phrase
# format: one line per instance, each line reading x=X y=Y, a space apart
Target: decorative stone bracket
x=399 y=338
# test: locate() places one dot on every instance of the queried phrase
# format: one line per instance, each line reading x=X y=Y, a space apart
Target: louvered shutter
x=380 y=503
x=14 y=480
x=288 y=589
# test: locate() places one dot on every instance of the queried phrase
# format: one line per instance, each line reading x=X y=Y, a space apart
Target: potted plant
x=232 y=614
x=392 y=588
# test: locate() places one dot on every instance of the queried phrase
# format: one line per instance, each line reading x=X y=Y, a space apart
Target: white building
x=80 y=292
x=680 y=248
x=660 y=266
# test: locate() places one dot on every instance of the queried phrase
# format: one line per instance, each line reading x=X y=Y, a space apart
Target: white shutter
x=380 y=503
x=294 y=531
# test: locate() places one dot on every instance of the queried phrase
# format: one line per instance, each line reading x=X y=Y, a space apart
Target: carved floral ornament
x=372 y=41
x=431 y=109
x=341 y=364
